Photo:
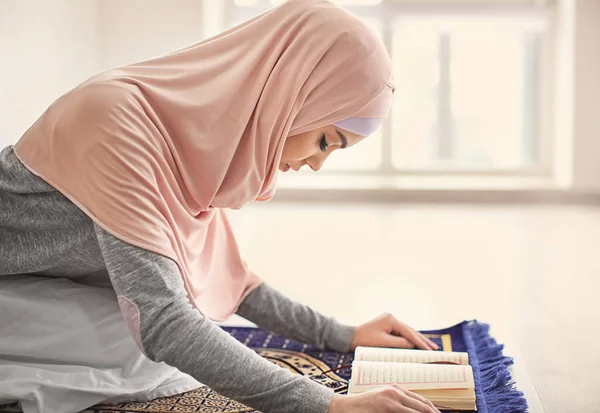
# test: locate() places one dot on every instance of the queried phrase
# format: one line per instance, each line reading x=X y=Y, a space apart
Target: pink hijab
x=153 y=152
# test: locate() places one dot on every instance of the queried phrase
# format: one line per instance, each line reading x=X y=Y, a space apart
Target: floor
x=532 y=272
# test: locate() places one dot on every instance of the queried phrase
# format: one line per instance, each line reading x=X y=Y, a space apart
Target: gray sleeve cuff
x=315 y=398
x=339 y=336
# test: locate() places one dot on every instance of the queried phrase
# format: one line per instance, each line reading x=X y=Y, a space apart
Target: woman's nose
x=316 y=164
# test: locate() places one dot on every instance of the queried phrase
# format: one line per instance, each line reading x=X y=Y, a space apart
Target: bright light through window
x=488 y=94
x=415 y=101
x=465 y=96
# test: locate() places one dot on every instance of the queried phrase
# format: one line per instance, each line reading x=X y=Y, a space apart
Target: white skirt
x=65 y=347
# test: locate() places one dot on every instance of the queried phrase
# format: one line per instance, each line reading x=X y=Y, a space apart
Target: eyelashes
x=323 y=144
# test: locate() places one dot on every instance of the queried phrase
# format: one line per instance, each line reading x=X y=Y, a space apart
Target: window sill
x=427 y=188
x=430 y=181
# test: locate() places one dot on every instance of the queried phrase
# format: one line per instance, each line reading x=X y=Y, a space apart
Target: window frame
x=388 y=11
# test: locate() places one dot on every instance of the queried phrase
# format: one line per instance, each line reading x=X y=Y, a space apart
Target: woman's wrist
x=337 y=404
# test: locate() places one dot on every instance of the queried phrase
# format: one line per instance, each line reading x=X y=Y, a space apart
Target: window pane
x=486 y=78
x=488 y=94
x=416 y=73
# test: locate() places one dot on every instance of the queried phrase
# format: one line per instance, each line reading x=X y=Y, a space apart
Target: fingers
x=418 y=339
x=398 y=342
x=422 y=400
x=404 y=409
x=408 y=400
x=432 y=344
x=410 y=334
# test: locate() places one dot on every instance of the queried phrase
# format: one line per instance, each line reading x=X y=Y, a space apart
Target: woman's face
x=313 y=147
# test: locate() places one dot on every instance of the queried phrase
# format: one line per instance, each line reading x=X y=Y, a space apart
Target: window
x=467 y=94
x=468 y=86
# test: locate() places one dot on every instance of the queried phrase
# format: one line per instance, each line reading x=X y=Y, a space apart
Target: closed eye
x=323 y=144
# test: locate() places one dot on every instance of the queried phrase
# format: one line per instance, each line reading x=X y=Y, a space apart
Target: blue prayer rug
x=494 y=388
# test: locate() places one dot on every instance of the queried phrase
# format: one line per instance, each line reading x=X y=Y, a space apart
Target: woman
x=127 y=177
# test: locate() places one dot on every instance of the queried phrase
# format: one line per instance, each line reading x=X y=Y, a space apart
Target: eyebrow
x=343 y=138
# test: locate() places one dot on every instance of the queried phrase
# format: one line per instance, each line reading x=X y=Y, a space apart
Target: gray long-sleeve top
x=43 y=233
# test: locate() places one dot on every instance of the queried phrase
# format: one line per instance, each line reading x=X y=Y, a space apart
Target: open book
x=445 y=378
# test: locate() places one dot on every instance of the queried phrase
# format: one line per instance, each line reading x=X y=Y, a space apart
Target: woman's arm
x=271 y=310
x=167 y=328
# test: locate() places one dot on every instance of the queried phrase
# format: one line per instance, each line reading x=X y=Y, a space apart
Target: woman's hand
x=386 y=331
x=392 y=399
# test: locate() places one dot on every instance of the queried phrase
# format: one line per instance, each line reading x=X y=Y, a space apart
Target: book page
x=395 y=355
x=411 y=376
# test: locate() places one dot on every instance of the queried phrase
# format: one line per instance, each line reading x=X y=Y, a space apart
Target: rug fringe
x=492 y=378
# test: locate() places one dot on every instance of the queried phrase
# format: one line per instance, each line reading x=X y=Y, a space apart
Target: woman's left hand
x=387 y=331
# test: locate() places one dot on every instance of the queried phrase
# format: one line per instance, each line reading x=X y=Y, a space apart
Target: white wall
x=577 y=95
x=46 y=48
x=562 y=113
x=134 y=30
x=586 y=99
